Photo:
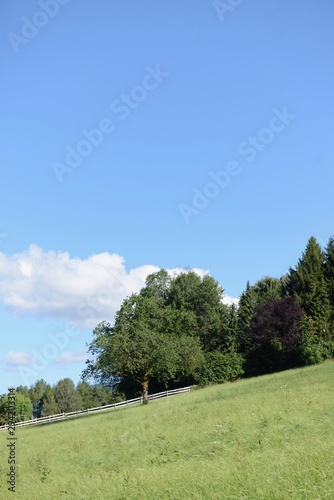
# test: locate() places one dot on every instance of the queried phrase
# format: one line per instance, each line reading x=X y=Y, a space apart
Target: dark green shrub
x=219 y=367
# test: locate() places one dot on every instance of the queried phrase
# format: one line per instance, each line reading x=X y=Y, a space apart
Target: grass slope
x=269 y=437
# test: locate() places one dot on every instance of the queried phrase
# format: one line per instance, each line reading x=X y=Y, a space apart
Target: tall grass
x=269 y=437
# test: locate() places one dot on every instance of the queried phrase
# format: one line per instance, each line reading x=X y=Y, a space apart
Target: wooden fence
x=62 y=416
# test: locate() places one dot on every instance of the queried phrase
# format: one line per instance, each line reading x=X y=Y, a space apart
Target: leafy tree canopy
x=146 y=341
x=276 y=335
x=66 y=397
x=23 y=408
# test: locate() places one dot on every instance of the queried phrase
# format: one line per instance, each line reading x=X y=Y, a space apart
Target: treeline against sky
x=177 y=331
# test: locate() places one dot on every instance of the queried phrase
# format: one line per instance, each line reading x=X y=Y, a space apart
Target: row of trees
x=177 y=330
x=289 y=321
x=42 y=399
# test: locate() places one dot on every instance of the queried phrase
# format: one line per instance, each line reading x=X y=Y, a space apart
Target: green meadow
x=269 y=437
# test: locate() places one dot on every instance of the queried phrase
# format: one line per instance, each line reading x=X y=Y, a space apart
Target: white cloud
x=18 y=358
x=230 y=300
x=67 y=357
x=83 y=291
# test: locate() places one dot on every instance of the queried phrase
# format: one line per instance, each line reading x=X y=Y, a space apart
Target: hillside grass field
x=269 y=437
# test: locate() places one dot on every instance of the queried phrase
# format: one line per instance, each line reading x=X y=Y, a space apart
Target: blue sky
x=140 y=135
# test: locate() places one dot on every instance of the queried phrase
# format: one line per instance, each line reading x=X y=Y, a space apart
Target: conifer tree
x=246 y=313
x=329 y=278
x=232 y=329
x=307 y=283
x=48 y=402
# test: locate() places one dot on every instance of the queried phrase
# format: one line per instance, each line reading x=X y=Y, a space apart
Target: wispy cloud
x=18 y=358
x=68 y=357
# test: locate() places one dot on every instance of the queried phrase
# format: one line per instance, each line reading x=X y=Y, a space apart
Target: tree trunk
x=145 y=389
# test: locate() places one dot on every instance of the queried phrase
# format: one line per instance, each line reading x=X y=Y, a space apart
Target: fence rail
x=62 y=416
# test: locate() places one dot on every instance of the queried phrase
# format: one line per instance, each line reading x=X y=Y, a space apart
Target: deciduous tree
x=203 y=297
x=22 y=405
x=146 y=341
x=66 y=396
x=276 y=336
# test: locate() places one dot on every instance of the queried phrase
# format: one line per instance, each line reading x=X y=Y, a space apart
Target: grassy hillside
x=269 y=437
